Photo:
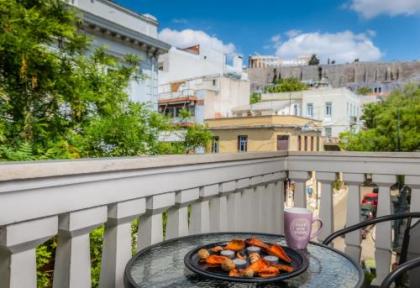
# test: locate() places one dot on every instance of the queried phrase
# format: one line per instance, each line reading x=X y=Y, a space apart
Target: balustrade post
x=151 y=224
x=72 y=260
x=278 y=203
x=326 y=206
x=200 y=210
x=116 y=250
x=257 y=203
x=383 y=240
x=234 y=208
x=219 y=208
x=300 y=178
x=353 y=239
x=178 y=215
x=18 y=244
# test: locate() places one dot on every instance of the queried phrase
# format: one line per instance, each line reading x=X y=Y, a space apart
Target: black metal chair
x=403 y=264
x=399 y=271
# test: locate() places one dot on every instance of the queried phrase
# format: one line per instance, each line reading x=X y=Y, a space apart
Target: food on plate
x=271 y=259
x=247 y=258
x=215 y=260
x=240 y=263
x=228 y=253
x=235 y=245
x=216 y=249
x=228 y=265
x=254 y=257
x=203 y=254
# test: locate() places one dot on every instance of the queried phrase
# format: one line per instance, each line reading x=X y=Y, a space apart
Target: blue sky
x=341 y=30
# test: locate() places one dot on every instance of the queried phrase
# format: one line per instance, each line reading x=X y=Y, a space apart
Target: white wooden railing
x=226 y=192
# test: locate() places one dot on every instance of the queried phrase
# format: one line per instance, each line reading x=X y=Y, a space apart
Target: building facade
x=122 y=31
x=338 y=109
x=265 y=133
x=196 y=61
x=206 y=97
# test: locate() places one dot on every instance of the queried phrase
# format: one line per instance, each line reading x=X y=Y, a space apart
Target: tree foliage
x=255 y=98
x=286 y=85
x=57 y=100
x=389 y=126
x=363 y=91
x=314 y=60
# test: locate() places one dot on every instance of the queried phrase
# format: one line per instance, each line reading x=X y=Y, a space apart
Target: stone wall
x=340 y=75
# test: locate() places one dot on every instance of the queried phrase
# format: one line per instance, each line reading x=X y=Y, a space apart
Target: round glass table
x=162 y=265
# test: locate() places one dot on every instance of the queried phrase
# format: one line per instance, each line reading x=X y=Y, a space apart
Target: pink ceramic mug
x=298 y=227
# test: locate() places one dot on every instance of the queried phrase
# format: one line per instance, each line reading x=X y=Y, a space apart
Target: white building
x=206 y=97
x=199 y=79
x=339 y=109
x=122 y=32
x=196 y=61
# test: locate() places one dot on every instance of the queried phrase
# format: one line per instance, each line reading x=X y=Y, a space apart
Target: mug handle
x=316 y=233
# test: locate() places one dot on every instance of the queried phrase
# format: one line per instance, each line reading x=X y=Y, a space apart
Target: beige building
x=265 y=133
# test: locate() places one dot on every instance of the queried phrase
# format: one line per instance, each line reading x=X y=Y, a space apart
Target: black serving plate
x=192 y=261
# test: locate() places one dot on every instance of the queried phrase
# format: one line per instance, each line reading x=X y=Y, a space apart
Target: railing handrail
x=20 y=170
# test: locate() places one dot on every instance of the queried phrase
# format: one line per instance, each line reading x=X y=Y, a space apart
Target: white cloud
x=342 y=46
x=371 y=8
x=276 y=40
x=293 y=33
x=189 y=37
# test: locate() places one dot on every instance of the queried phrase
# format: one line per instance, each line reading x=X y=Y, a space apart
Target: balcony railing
x=226 y=192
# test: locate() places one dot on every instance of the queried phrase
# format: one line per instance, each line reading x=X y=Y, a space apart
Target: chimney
x=238 y=63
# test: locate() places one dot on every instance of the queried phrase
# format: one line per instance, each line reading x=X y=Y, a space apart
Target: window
x=242 y=143
x=312 y=143
x=305 y=139
x=282 y=142
x=328 y=109
x=328 y=131
x=295 y=109
x=215 y=145
x=214 y=82
x=317 y=143
x=310 y=110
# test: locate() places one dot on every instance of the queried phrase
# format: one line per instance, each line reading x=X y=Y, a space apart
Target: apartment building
x=338 y=109
x=198 y=79
x=122 y=32
x=205 y=97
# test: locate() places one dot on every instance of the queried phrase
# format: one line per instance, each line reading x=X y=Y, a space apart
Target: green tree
x=363 y=91
x=286 y=85
x=197 y=136
x=389 y=126
x=255 y=98
x=57 y=102
x=314 y=60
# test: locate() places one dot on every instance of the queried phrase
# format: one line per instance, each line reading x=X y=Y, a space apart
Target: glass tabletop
x=162 y=265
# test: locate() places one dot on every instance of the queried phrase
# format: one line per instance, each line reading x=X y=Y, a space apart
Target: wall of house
x=263 y=139
x=232 y=93
x=179 y=65
x=345 y=104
